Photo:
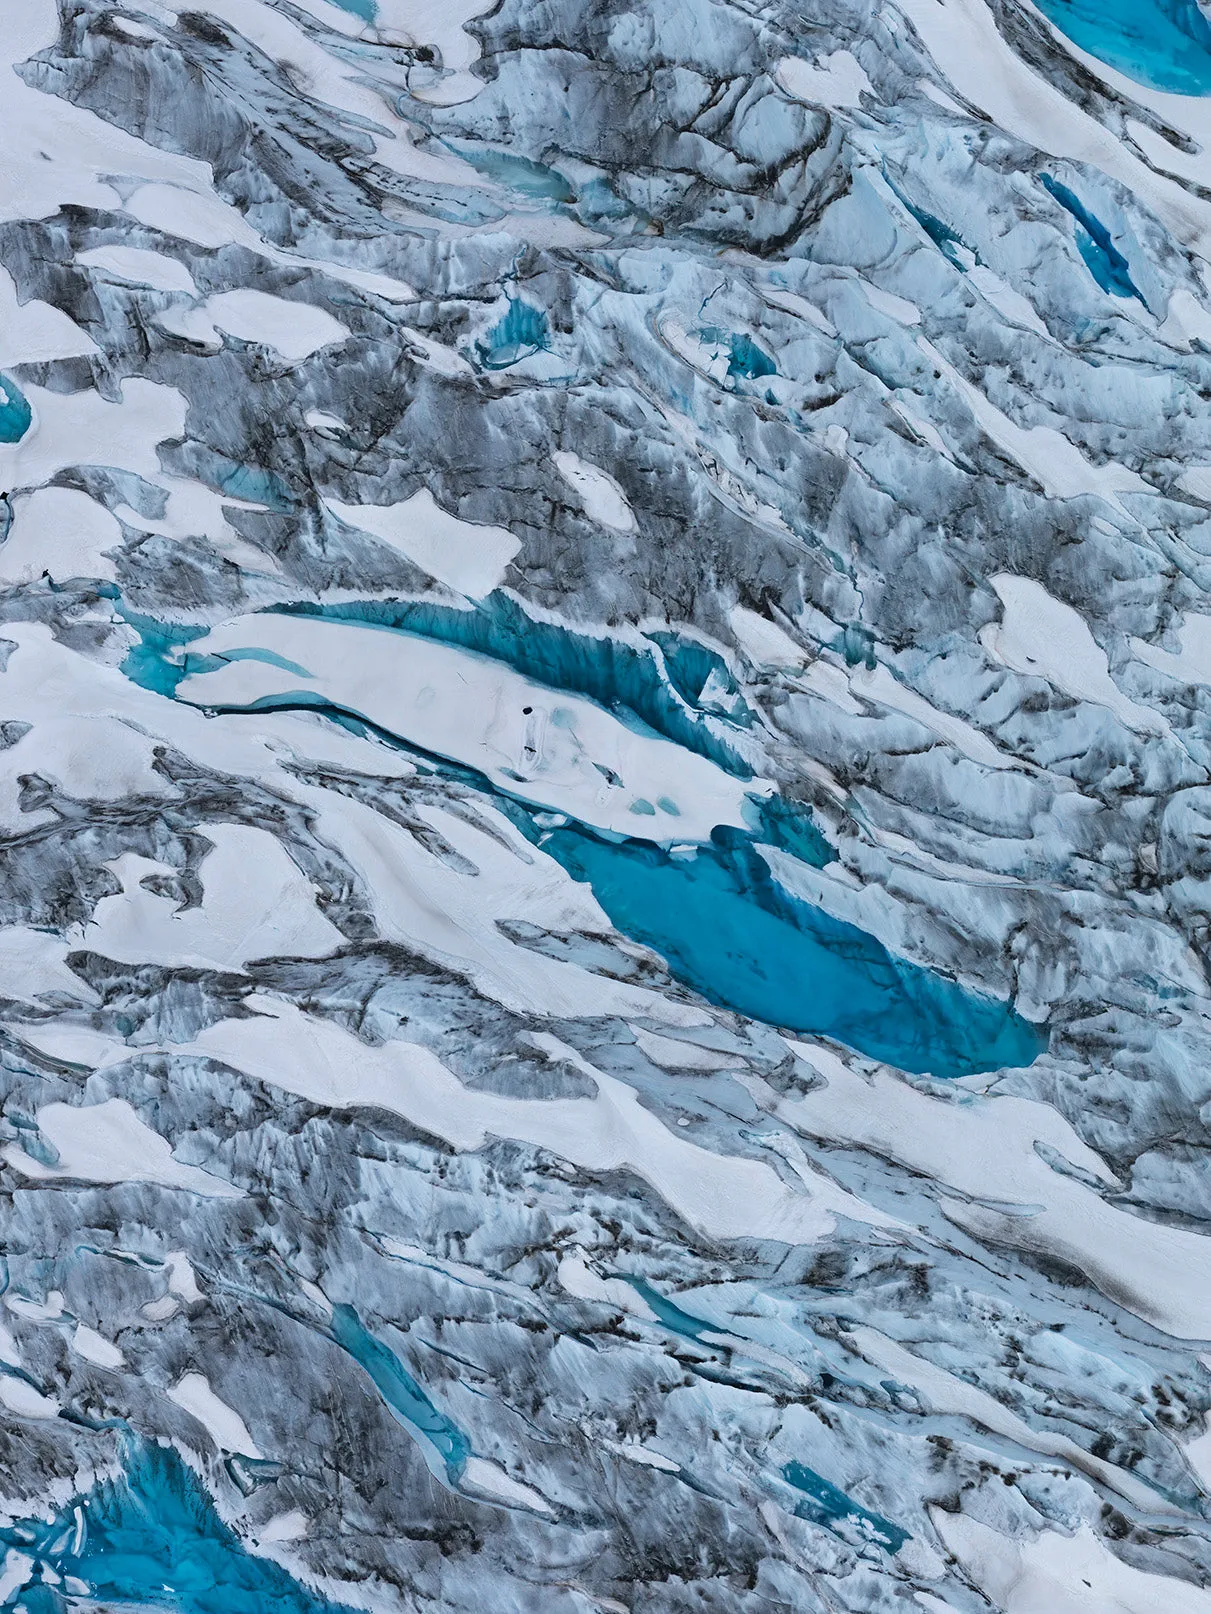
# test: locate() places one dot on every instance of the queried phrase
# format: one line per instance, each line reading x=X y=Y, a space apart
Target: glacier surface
x=605 y=806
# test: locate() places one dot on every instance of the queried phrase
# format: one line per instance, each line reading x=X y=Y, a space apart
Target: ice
x=108 y=1143
x=605 y=904
x=469 y=556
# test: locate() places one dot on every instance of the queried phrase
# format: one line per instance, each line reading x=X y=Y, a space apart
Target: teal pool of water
x=149 y=1538
x=1163 y=44
x=716 y=915
x=822 y=1503
x=367 y=10
x=726 y=929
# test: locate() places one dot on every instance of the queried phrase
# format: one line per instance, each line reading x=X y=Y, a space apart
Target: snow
x=763 y=641
x=879 y=685
x=107 y=1143
x=836 y=80
x=1057 y=1574
x=256 y=903
x=95 y=1348
x=1191 y=663
x=140 y=267
x=546 y=747
x=1041 y=637
x=724 y=1196
x=221 y=1422
x=602 y=498
x=24 y=1400
x=490 y=1480
x=34 y=332
x=471 y=557
x=61 y=531
x=294 y=329
x=985 y=1149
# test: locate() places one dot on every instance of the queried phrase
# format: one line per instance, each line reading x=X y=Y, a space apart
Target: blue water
x=522 y=332
x=1102 y=258
x=719 y=919
x=400 y=1391
x=1164 y=44
x=367 y=10
x=825 y=1505
x=517 y=173
x=15 y=412
x=730 y=932
x=151 y=1538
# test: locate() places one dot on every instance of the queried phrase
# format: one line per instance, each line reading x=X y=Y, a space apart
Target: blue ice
x=727 y=930
x=15 y=412
x=400 y=1391
x=149 y=1537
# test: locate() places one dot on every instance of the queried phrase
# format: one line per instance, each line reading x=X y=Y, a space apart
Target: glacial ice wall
x=605 y=806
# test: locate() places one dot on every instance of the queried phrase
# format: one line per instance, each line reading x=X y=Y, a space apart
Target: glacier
x=605 y=806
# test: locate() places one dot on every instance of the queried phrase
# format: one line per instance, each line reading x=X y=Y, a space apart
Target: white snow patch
x=222 y=1423
x=602 y=498
x=256 y=904
x=490 y=1480
x=764 y=642
x=61 y=531
x=141 y=267
x=34 y=332
x=886 y=302
x=294 y=329
x=110 y=1142
x=1191 y=663
x=24 y=1400
x=1040 y=636
x=1057 y=1574
x=837 y=80
x=985 y=1148
x=291 y=1526
x=95 y=1348
x=469 y=556
x=33 y=962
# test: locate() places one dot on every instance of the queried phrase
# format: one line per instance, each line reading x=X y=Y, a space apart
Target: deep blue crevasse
x=151 y=1538
x=1102 y=258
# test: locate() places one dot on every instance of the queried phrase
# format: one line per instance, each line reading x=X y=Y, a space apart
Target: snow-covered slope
x=605 y=806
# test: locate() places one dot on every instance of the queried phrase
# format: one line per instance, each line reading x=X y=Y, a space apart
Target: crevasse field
x=605 y=807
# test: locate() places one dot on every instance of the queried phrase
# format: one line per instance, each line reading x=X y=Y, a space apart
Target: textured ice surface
x=605 y=806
